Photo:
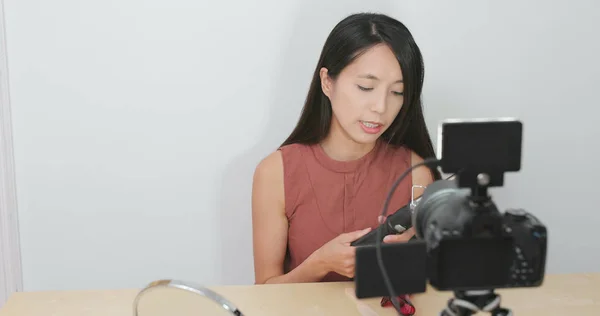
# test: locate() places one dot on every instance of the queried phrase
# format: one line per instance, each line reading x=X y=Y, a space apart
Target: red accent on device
x=405 y=308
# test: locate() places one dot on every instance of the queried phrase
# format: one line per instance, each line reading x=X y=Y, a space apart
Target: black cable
x=456 y=174
x=388 y=283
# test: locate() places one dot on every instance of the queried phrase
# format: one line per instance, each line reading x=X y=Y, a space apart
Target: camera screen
x=474 y=263
x=479 y=146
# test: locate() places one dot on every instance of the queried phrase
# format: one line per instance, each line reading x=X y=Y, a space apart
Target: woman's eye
x=398 y=93
x=364 y=88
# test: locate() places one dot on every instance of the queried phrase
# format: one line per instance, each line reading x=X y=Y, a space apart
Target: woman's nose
x=379 y=104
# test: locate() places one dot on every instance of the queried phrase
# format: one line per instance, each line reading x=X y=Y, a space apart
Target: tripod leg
x=492 y=305
x=459 y=307
x=466 y=303
x=500 y=311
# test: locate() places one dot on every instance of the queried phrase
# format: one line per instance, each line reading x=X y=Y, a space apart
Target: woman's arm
x=420 y=176
x=270 y=228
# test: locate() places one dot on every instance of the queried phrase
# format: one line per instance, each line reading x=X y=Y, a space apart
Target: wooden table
x=567 y=294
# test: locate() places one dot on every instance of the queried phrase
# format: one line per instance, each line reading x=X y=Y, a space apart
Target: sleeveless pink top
x=325 y=198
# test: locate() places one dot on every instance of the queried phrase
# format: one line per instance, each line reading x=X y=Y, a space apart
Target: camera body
x=463 y=241
x=471 y=245
x=530 y=248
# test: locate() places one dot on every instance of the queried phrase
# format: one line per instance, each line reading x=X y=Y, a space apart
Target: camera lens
x=439 y=212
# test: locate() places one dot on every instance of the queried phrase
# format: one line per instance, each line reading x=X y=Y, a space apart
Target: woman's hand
x=404 y=237
x=338 y=256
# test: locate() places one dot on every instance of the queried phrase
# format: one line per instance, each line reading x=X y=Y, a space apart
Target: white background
x=138 y=123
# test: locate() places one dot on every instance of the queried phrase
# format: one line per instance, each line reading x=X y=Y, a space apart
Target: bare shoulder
x=270 y=166
x=269 y=223
x=268 y=179
x=421 y=175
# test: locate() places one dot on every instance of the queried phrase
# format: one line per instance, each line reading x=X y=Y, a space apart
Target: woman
x=362 y=125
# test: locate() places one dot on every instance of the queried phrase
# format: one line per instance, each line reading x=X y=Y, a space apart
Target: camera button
x=517 y=214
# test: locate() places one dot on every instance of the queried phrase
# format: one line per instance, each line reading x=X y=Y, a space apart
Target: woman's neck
x=339 y=146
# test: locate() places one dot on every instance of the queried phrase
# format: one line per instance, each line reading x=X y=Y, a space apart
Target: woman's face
x=367 y=95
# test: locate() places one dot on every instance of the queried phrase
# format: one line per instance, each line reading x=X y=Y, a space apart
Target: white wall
x=138 y=123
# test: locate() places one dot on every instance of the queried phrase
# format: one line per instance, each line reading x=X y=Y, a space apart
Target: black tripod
x=467 y=303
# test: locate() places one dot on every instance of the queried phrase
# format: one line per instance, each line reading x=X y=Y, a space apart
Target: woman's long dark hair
x=349 y=38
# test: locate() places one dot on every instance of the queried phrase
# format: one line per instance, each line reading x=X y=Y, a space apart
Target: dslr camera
x=463 y=242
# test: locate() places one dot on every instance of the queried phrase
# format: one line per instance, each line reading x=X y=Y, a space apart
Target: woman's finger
x=404 y=237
